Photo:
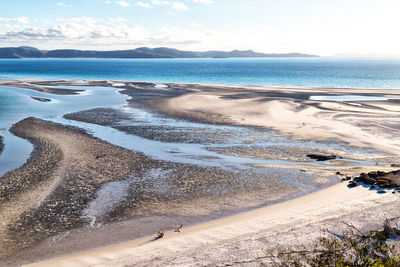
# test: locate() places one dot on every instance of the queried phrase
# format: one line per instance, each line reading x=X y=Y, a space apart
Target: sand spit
x=44 y=87
x=100 y=116
x=41 y=99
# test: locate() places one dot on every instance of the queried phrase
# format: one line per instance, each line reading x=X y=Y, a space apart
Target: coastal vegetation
x=379 y=247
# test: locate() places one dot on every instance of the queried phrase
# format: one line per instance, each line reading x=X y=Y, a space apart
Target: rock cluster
x=377 y=178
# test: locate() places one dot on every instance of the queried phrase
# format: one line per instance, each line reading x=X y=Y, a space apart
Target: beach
x=236 y=194
x=248 y=239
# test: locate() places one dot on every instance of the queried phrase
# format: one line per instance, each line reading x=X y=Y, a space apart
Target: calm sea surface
x=320 y=72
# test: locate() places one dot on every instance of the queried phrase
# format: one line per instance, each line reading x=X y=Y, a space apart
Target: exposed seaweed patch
x=1 y=144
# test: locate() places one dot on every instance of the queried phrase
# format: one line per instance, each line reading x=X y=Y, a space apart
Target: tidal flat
x=158 y=155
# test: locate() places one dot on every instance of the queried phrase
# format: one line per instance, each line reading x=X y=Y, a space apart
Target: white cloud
x=22 y=20
x=61 y=4
x=78 y=31
x=118 y=33
x=143 y=4
x=123 y=3
x=108 y=2
x=179 y=6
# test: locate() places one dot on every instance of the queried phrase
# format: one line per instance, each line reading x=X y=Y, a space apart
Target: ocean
x=315 y=72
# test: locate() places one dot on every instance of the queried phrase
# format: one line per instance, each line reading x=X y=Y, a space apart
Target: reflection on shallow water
x=16 y=152
x=347 y=98
x=16 y=104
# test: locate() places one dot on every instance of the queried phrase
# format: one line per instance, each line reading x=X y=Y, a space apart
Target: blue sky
x=323 y=27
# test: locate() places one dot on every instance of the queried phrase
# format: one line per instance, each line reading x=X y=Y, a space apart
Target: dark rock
x=396 y=172
x=384 y=183
x=319 y=157
x=381 y=192
x=352 y=184
x=392 y=179
x=366 y=179
x=372 y=174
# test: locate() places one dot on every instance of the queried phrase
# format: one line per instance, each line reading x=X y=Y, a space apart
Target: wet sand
x=247 y=239
x=48 y=193
x=48 y=204
x=45 y=218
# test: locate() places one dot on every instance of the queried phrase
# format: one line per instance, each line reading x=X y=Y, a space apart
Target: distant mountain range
x=142 y=52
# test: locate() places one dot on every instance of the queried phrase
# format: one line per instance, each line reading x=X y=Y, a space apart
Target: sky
x=322 y=27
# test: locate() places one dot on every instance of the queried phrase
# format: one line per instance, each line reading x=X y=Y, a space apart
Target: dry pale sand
x=246 y=236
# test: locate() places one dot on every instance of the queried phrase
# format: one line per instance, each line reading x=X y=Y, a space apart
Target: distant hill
x=142 y=52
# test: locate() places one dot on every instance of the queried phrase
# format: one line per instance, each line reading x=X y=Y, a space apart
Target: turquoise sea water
x=317 y=72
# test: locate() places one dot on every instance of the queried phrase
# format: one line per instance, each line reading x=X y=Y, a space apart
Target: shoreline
x=78 y=81
x=215 y=242
x=207 y=103
x=28 y=83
